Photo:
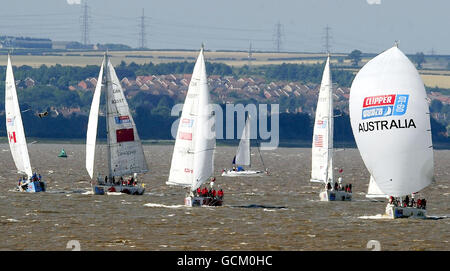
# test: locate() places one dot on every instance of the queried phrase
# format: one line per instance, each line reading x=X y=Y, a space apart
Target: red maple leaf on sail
x=12 y=136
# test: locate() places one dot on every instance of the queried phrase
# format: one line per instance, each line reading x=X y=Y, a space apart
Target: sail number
x=116 y=101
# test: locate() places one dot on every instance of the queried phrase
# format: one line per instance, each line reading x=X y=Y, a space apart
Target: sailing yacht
x=16 y=137
x=124 y=149
x=390 y=120
x=322 y=146
x=193 y=154
x=243 y=157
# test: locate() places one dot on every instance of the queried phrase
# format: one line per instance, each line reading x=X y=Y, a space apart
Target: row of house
x=224 y=89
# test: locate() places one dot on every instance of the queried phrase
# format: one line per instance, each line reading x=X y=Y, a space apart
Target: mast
x=108 y=113
x=331 y=125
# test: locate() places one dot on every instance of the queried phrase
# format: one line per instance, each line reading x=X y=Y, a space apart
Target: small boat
x=390 y=120
x=243 y=157
x=193 y=154
x=322 y=146
x=16 y=136
x=124 y=150
x=62 y=154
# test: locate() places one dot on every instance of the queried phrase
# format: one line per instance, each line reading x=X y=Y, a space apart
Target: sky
x=368 y=25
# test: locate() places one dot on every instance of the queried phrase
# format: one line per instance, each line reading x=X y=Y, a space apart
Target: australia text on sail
x=377 y=125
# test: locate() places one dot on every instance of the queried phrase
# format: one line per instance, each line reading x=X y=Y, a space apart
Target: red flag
x=341 y=170
x=124 y=135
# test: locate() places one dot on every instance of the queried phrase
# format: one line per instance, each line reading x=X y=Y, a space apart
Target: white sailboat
x=193 y=155
x=124 y=150
x=16 y=137
x=322 y=146
x=391 y=123
x=243 y=156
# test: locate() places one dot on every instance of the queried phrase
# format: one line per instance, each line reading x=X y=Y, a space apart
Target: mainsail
x=322 y=146
x=193 y=154
x=14 y=126
x=243 y=151
x=125 y=152
x=391 y=123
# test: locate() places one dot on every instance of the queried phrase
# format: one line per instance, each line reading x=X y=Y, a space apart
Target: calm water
x=277 y=212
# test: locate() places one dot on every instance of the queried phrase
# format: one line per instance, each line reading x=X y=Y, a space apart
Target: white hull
x=333 y=195
x=127 y=189
x=231 y=173
x=200 y=201
x=394 y=212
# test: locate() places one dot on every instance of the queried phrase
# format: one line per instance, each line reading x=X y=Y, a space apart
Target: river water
x=277 y=212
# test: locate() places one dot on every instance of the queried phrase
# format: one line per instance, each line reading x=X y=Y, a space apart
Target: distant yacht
x=243 y=157
x=124 y=150
x=193 y=154
x=390 y=119
x=16 y=135
x=322 y=146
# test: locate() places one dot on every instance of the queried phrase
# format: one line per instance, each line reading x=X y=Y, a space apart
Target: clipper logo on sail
x=385 y=105
x=10 y=121
x=321 y=124
x=122 y=119
x=187 y=123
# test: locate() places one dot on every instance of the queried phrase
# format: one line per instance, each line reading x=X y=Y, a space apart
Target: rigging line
x=260 y=155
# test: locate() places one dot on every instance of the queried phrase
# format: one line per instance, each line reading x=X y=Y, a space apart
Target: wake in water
x=381 y=216
x=259 y=206
x=157 y=205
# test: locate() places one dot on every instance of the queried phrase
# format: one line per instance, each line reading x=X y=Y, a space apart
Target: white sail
x=322 y=146
x=125 y=152
x=193 y=154
x=391 y=123
x=374 y=191
x=14 y=126
x=91 y=135
x=243 y=151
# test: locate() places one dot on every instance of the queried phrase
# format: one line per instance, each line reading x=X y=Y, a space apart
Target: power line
x=327 y=38
x=250 y=55
x=142 y=40
x=278 y=35
x=85 y=24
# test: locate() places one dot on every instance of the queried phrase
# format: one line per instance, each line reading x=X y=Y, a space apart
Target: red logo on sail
x=185 y=136
x=379 y=100
x=12 y=137
x=125 y=135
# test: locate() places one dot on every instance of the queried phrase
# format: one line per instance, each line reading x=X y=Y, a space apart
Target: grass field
x=433 y=80
x=141 y=57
